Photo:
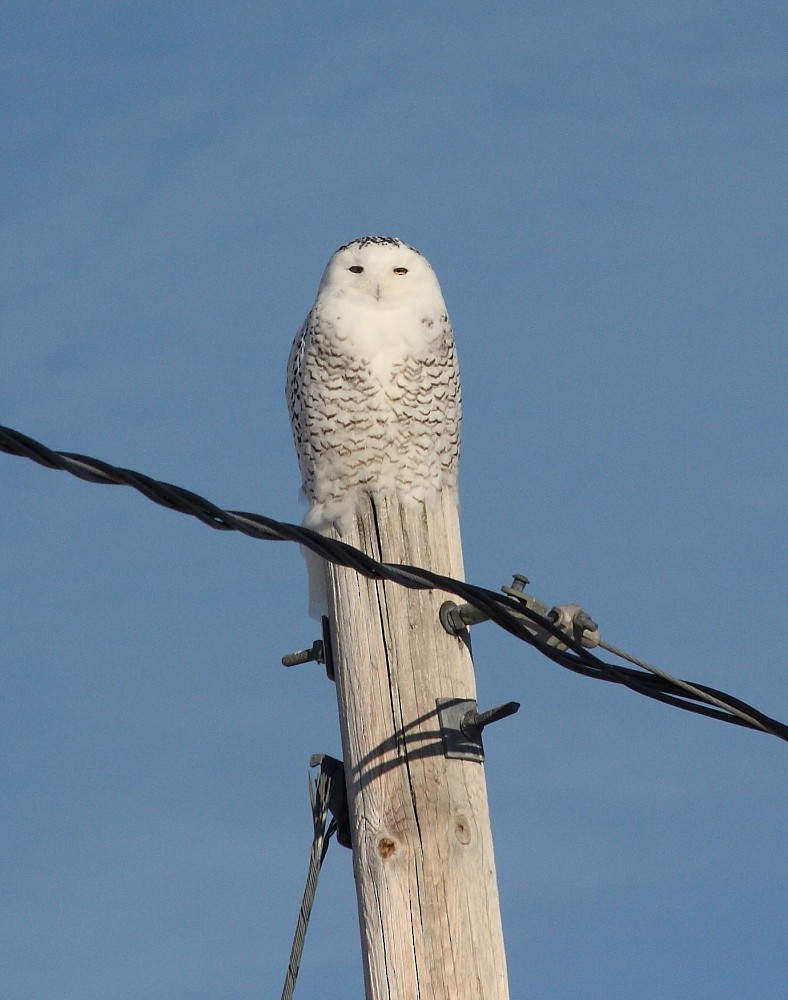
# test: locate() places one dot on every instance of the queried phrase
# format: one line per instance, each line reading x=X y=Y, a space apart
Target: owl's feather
x=372 y=384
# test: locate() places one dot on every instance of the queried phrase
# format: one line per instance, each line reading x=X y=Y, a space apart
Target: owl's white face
x=379 y=272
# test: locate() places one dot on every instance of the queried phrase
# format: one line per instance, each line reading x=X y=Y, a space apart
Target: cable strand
x=505 y=611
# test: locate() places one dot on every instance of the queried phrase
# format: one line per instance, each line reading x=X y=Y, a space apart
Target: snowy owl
x=372 y=384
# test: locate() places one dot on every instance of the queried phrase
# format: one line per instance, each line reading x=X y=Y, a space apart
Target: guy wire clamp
x=570 y=618
x=334 y=771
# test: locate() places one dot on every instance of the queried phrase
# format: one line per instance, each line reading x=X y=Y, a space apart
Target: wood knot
x=462 y=829
x=386 y=847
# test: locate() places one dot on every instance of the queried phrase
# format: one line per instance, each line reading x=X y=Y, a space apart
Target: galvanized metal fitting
x=318 y=652
x=462 y=725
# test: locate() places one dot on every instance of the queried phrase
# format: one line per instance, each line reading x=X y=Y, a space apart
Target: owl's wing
x=294 y=393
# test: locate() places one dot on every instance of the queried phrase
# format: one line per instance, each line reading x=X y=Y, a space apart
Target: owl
x=372 y=384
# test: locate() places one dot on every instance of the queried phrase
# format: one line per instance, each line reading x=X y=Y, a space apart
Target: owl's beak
x=376 y=291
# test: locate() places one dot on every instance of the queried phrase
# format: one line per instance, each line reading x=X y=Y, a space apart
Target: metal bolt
x=473 y=722
x=584 y=621
x=305 y=655
x=455 y=618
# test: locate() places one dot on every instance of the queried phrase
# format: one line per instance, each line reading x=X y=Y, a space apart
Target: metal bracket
x=462 y=725
x=569 y=618
x=334 y=770
x=328 y=651
x=319 y=652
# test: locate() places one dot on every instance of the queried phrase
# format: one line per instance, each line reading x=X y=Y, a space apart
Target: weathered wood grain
x=422 y=847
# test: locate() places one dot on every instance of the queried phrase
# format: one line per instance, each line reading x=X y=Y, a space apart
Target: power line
x=506 y=611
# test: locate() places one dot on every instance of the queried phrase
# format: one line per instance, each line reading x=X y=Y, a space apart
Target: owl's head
x=380 y=271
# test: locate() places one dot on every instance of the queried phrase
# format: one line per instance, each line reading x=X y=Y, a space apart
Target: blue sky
x=601 y=190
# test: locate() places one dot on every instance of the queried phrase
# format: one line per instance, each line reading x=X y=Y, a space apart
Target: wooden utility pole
x=422 y=847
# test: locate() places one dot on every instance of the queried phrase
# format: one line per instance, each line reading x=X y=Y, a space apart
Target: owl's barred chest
x=385 y=353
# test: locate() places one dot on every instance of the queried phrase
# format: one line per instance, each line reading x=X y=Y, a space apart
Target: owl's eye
x=356 y=269
x=400 y=270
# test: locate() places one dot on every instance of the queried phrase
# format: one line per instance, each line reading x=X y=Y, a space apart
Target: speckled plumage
x=372 y=383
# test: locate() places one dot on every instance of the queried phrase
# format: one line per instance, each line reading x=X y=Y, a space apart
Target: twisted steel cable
x=505 y=611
